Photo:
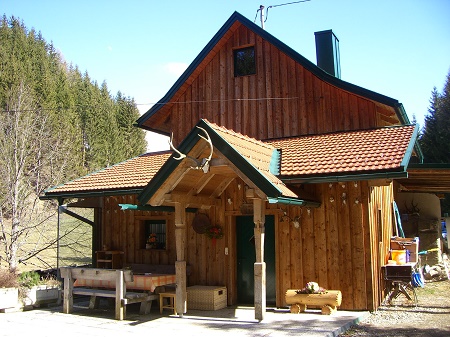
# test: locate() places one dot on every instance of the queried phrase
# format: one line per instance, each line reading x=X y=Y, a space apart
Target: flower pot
x=9 y=298
x=42 y=294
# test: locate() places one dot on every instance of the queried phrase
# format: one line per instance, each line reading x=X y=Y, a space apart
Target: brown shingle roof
x=345 y=152
x=134 y=173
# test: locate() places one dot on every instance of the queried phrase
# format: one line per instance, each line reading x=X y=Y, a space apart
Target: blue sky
x=398 y=48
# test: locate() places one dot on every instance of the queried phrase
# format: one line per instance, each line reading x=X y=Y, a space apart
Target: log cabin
x=280 y=173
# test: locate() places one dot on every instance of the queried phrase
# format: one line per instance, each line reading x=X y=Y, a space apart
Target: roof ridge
x=238 y=134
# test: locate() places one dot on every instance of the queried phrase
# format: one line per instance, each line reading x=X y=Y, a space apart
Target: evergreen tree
x=55 y=124
x=435 y=138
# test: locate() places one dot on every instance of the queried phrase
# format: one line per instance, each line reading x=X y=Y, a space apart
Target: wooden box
x=206 y=297
x=410 y=244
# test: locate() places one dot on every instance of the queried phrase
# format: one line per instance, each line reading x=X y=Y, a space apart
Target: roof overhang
x=89 y=194
x=173 y=179
x=428 y=178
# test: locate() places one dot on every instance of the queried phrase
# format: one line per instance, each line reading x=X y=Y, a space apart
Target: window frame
x=237 y=71
x=149 y=227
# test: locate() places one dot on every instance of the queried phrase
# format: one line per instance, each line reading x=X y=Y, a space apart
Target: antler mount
x=200 y=164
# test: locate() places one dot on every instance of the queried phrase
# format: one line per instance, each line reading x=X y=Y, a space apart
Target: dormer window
x=244 y=61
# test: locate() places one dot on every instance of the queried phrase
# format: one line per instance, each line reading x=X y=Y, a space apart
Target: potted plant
x=152 y=241
x=36 y=290
x=9 y=290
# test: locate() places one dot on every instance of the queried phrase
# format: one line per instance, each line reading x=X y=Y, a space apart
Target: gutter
x=342 y=178
x=295 y=202
x=132 y=207
x=65 y=195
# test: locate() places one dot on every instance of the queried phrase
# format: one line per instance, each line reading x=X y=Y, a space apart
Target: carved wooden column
x=180 y=264
x=259 y=219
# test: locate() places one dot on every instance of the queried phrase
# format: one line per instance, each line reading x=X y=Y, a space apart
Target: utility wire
x=160 y=103
x=273 y=6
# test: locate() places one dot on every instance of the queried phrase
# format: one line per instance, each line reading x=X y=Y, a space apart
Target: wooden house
x=296 y=168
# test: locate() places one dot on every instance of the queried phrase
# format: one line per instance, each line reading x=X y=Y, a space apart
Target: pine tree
x=435 y=138
x=55 y=124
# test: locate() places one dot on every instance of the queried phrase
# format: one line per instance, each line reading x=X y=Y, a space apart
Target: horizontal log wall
x=282 y=99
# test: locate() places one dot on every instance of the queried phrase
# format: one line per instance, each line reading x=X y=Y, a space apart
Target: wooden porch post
x=259 y=219
x=180 y=264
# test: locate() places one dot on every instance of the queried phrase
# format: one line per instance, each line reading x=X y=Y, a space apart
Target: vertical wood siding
x=336 y=245
x=282 y=99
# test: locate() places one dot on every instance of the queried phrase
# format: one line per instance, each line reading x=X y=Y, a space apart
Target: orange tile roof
x=328 y=154
x=258 y=153
x=344 y=152
x=134 y=173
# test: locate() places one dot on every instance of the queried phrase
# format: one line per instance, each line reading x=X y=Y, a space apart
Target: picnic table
x=119 y=284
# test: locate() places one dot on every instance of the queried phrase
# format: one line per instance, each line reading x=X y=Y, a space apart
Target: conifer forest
x=56 y=124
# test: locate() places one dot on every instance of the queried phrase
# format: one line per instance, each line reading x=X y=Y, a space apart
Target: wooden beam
x=200 y=184
x=87 y=203
x=379 y=182
x=389 y=119
x=222 y=187
x=158 y=198
x=260 y=266
x=180 y=264
x=176 y=197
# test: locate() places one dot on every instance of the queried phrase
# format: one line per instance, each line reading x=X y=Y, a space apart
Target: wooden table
x=145 y=282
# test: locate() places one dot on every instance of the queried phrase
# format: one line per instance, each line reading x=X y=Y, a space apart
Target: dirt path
x=431 y=317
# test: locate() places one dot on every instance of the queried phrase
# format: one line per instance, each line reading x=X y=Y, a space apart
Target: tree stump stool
x=327 y=302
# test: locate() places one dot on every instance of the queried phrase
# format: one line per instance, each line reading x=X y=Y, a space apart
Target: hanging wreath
x=214 y=232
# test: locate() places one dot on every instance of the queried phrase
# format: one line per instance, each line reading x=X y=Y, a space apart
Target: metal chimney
x=327 y=52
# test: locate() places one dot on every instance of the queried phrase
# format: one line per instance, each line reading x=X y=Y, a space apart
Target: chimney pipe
x=327 y=52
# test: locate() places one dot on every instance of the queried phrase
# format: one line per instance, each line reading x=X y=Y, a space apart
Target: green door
x=246 y=257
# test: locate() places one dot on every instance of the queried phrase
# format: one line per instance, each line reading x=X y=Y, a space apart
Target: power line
x=288 y=3
x=222 y=100
x=85 y=107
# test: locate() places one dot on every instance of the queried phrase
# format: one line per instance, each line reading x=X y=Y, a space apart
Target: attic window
x=244 y=61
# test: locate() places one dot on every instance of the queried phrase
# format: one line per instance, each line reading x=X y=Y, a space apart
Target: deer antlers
x=200 y=164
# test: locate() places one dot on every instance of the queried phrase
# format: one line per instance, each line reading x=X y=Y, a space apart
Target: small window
x=244 y=61
x=155 y=234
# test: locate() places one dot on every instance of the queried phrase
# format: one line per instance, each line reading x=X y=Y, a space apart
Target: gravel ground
x=431 y=317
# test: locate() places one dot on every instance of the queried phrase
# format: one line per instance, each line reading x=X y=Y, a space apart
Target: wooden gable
x=288 y=95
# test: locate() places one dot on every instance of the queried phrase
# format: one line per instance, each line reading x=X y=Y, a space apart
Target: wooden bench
x=120 y=294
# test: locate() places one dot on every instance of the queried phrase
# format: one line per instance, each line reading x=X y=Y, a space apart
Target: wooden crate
x=206 y=297
x=410 y=244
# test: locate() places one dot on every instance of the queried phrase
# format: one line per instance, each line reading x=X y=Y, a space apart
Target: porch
x=237 y=320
